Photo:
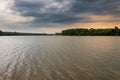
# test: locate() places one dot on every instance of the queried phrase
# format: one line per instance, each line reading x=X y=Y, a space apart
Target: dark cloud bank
x=65 y=11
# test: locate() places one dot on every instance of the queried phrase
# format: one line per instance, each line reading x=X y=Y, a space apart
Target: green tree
x=92 y=32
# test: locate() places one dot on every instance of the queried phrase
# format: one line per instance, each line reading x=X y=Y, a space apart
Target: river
x=59 y=58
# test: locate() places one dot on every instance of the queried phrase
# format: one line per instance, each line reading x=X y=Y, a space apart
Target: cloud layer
x=65 y=11
x=44 y=13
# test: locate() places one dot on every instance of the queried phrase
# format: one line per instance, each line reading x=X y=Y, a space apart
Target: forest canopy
x=92 y=32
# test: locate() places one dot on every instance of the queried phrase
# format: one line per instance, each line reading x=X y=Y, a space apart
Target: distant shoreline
x=23 y=34
x=71 y=32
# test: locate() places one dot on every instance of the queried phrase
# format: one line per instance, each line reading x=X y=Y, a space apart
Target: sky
x=50 y=16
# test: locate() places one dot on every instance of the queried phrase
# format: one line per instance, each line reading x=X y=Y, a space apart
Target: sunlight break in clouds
x=8 y=16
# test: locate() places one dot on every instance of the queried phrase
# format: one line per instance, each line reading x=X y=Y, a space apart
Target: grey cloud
x=99 y=7
x=65 y=11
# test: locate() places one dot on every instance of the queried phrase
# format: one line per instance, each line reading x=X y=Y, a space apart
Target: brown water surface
x=59 y=58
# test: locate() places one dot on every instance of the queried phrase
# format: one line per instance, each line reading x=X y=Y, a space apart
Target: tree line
x=73 y=32
x=92 y=32
x=20 y=34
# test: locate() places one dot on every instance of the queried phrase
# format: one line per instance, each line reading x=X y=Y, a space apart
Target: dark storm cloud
x=100 y=7
x=65 y=11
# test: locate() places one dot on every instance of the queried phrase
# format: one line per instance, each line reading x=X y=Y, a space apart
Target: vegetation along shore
x=72 y=32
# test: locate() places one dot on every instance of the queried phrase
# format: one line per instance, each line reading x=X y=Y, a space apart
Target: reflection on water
x=59 y=58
